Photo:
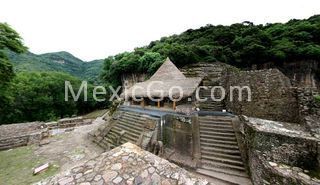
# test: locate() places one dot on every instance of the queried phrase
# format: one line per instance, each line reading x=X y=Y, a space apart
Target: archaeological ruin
x=273 y=139
x=150 y=138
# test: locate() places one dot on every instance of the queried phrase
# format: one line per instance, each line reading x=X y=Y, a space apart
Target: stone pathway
x=126 y=164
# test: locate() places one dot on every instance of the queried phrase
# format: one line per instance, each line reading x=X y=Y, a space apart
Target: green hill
x=57 y=61
x=244 y=45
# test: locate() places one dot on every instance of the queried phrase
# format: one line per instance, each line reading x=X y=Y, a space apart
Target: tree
x=9 y=39
x=240 y=44
x=40 y=96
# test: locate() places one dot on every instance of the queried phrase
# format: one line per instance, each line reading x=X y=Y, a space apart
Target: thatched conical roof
x=165 y=78
x=168 y=71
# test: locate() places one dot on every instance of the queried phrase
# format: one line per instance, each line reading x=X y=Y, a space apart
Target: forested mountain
x=240 y=44
x=32 y=87
x=57 y=61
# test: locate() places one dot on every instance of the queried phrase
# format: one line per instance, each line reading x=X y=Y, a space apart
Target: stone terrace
x=126 y=164
x=19 y=129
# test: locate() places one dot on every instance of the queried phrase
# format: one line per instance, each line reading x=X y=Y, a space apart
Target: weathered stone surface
x=65 y=181
x=109 y=175
x=149 y=169
x=272 y=95
x=277 y=152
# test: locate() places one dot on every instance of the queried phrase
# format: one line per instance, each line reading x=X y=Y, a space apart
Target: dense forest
x=57 y=61
x=36 y=96
x=241 y=45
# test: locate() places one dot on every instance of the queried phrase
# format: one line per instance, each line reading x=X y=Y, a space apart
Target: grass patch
x=95 y=114
x=16 y=166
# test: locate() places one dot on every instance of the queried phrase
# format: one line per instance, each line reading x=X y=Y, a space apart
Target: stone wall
x=309 y=109
x=277 y=152
x=181 y=139
x=302 y=73
x=22 y=134
x=177 y=134
x=272 y=96
x=68 y=123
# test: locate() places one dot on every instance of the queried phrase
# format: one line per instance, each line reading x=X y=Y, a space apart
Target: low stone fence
x=278 y=152
x=22 y=134
x=68 y=122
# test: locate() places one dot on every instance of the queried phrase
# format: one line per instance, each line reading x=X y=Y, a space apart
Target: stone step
x=207 y=101
x=106 y=143
x=229 y=179
x=212 y=128
x=217 y=145
x=215 y=98
x=219 y=137
x=222 y=160
x=217 y=133
x=109 y=142
x=128 y=128
x=134 y=114
x=112 y=136
x=216 y=118
x=133 y=121
x=220 y=121
x=207 y=150
x=216 y=125
x=211 y=106
x=130 y=125
x=136 y=117
x=211 y=109
x=125 y=138
x=205 y=140
x=205 y=123
x=226 y=156
x=226 y=171
x=222 y=165
x=128 y=135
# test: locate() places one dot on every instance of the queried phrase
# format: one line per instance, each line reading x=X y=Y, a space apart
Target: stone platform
x=126 y=164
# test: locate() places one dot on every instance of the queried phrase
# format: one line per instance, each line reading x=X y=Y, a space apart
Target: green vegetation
x=317 y=98
x=39 y=96
x=95 y=114
x=241 y=44
x=58 y=61
x=17 y=166
x=9 y=39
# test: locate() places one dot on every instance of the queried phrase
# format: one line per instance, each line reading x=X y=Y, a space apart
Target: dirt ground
x=70 y=148
x=62 y=151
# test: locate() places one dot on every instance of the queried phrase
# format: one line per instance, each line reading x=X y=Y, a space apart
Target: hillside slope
x=57 y=61
x=244 y=45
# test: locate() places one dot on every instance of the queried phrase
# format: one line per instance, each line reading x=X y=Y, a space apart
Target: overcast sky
x=95 y=29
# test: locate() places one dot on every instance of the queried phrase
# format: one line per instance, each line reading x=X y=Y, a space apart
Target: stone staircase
x=220 y=155
x=210 y=104
x=128 y=127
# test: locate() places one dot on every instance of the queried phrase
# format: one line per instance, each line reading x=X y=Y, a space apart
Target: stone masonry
x=126 y=164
